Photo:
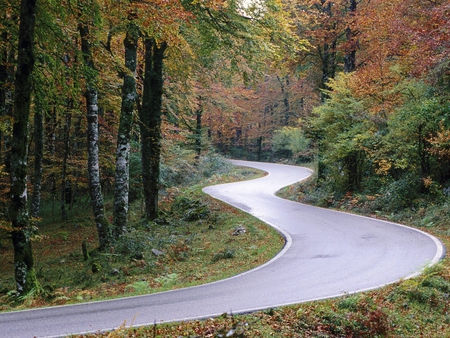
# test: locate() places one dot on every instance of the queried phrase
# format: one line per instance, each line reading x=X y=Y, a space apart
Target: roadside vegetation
x=418 y=307
x=181 y=249
x=193 y=242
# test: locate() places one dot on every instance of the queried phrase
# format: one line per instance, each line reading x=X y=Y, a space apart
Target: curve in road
x=327 y=254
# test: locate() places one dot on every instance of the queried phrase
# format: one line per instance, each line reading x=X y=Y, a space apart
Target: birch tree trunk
x=25 y=275
x=150 y=124
x=91 y=95
x=122 y=185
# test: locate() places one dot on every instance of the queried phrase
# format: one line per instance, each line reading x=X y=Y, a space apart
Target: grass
x=191 y=244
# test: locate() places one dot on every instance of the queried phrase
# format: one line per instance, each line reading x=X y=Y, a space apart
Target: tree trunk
x=91 y=96
x=328 y=56
x=350 y=56
x=150 y=124
x=77 y=144
x=50 y=125
x=3 y=90
x=25 y=275
x=121 y=187
x=7 y=60
x=6 y=95
x=259 y=152
x=38 y=159
x=198 y=131
x=327 y=53
x=65 y=184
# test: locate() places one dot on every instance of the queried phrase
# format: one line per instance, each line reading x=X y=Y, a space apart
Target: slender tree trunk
x=50 y=125
x=285 y=99
x=351 y=163
x=121 y=187
x=38 y=158
x=3 y=90
x=91 y=96
x=259 y=152
x=64 y=183
x=6 y=95
x=328 y=56
x=198 y=132
x=76 y=146
x=150 y=118
x=327 y=52
x=25 y=275
x=350 y=56
x=6 y=85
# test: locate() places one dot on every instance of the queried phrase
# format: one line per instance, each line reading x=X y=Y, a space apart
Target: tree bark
x=198 y=131
x=327 y=52
x=25 y=275
x=350 y=56
x=38 y=159
x=64 y=182
x=91 y=95
x=259 y=152
x=3 y=90
x=328 y=56
x=77 y=144
x=150 y=124
x=6 y=99
x=50 y=125
x=121 y=187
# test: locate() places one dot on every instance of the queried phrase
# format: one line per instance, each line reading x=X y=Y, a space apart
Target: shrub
x=190 y=209
x=212 y=164
x=400 y=194
x=133 y=243
x=291 y=142
x=226 y=253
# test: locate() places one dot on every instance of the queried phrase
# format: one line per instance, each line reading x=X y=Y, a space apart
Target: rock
x=239 y=230
x=114 y=272
x=157 y=252
x=160 y=221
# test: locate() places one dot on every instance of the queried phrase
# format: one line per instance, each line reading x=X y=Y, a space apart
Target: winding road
x=327 y=254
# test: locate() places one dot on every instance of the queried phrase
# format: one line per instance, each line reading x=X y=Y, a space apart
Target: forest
x=108 y=102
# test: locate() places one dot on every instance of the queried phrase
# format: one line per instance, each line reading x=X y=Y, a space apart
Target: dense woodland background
x=127 y=97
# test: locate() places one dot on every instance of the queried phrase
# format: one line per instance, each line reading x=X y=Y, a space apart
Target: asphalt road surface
x=327 y=254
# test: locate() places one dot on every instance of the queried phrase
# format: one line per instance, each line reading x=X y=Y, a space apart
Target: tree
x=150 y=124
x=343 y=128
x=22 y=228
x=38 y=159
x=351 y=35
x=92 y=111
x=129 y=97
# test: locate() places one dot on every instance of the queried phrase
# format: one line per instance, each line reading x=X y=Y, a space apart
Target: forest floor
x=418 y=307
